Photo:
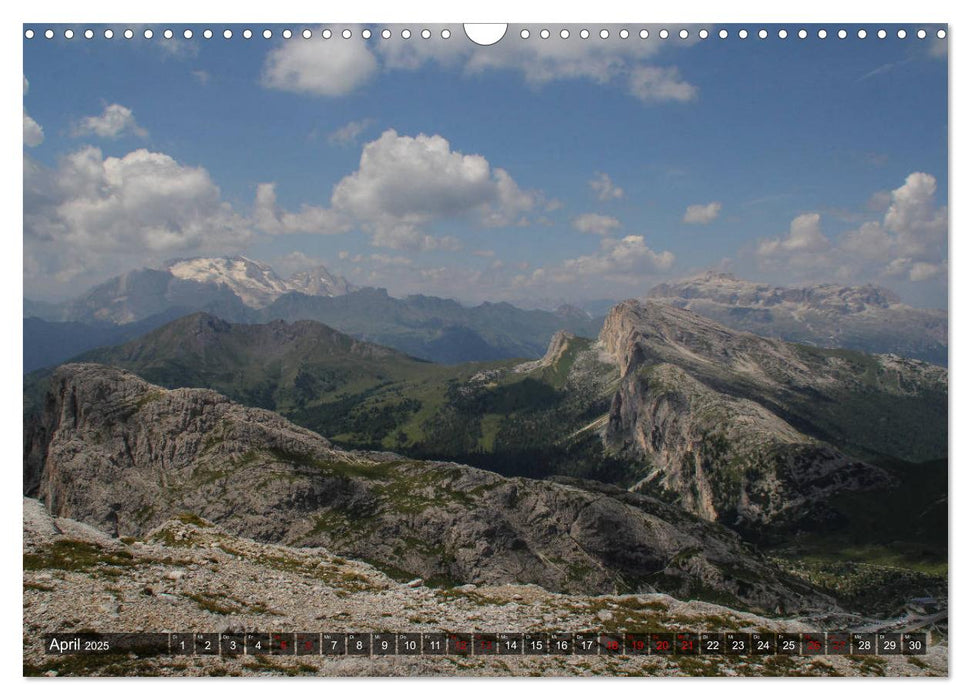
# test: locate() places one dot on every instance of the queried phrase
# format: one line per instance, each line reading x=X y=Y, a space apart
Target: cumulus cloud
x=804 y=235
x=349 y=133
x=625 y=260
x=115 y=121
x=335 y=66
x=272 y=219
x=604 y=187
x=404 y=183
x=90 y=215
x=598 y=224
x=702 y=213
x=330 y=68
x=33 y=132
x=660 y=84
x=909 y=243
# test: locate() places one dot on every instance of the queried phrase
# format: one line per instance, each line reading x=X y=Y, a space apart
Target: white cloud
x=270 y=218
x=92 y=216
x=624 y=259
x=336 y=67
x=404 y=183
x=327 y=67
x=660 y=84
x=33 y=132
x=604 y=187
x=702 y=213
x=349 y=133
x=910 y=243
x=110 y=124
x=804 y=236
x=201 y=76
x=598 y=224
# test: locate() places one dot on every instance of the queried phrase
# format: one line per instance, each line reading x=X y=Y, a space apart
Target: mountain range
x=744 y=430
x=867 y=318
x=246 y=291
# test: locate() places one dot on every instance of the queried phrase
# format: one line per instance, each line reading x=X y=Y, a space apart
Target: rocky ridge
x=123 y=455
x=733 y=423
x=189 y=575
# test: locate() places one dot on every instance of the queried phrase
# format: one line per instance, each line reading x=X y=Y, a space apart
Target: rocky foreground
x=188 y=575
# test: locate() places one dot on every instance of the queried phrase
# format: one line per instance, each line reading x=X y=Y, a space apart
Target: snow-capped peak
x=255 y=282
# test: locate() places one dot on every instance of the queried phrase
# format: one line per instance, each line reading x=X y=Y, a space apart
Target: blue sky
x=566 y=169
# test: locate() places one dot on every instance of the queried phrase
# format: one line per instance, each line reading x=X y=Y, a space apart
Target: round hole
x=663 y=33
x=228 y=34
x=604 y=33
x=188 y=34
x=584 y=33
x=763 y=34
x=68 y=33
x=385 y=33
x=168 y=34
x=703 y=33
x=722 y=33
x=446 y=33
x=882 y=34
x=524 y=34
x=366 y=33
x=821 y=33
x=327 y=34
x=941 y=34
x=267 y=34
x=109 y=34
x=545 y=34
x=564 y=33
x=425 y=34
x=902 y=34
x=743 y=34
x=88 y=34
x=247 y=34
x=405 y=34
x=129 y=34
x=803 y=33
x=49 y=34
x=861 y=33
x=148 y=34
x=29 y=34
x=207 y=33
x=921 y=34
x=624 y=33
x=783 y=34
x=644 y=34
x=841 y=33
x=683 y=34
x=347 y=33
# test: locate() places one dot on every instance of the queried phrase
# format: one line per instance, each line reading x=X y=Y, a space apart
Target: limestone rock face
x=741 y=428
x=123 y=455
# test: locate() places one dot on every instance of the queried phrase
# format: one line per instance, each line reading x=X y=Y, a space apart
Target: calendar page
x=549 y=349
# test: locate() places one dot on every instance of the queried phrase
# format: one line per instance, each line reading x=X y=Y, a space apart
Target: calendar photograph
x=485 y=350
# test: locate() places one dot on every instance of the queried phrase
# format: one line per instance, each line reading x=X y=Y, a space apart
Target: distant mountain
x=229 y=286
x=867 y=318
x=432 y=328
x=246 y=291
